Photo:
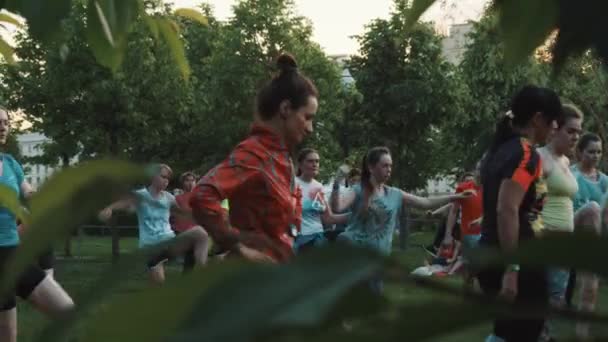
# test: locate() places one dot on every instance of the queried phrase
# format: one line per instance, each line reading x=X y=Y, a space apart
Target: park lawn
x=93 y=255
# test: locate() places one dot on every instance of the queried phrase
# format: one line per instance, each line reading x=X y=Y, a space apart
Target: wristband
x=512 y=268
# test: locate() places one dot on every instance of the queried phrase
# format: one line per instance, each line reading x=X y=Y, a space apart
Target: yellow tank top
x=558 y=211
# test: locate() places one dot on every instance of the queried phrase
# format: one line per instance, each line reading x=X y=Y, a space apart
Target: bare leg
x=456 y=266
x=157 y=274
x=8 y=325
x=196 y=238
x=51 y=299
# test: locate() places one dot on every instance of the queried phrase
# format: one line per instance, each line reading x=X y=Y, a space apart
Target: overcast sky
x=336 y=21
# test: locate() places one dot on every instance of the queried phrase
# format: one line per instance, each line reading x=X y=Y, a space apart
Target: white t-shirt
x=312 y=207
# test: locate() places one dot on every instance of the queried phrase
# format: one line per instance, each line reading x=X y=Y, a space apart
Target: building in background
x=440 y=186
x=346 y=78
x=454 y=44
x=30 y=145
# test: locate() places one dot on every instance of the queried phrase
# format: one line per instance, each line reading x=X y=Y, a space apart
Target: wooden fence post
x=115 y=241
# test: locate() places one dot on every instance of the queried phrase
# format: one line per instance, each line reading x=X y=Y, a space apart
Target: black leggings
x=165 y=254
x=27 y=282
x=532 y=289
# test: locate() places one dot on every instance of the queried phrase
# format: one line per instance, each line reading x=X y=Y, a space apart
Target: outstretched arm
x=433 y=202
x=127 y=203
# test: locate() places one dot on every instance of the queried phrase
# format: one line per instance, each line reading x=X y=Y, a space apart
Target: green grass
x=93 y=255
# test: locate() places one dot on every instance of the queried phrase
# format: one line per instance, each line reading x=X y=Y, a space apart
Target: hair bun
x=286 y=63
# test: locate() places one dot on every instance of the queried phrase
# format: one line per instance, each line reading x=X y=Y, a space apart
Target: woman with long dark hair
x=375 y=206
x=513 y=196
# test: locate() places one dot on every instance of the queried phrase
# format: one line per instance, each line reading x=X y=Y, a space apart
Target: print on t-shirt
x=312 y=207
x=535 y=217
x=378 y=218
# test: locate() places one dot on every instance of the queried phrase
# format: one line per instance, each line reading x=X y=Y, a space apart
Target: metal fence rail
x=117 y=231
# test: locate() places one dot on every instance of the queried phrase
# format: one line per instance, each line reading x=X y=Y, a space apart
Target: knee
x=200 y=234
x=590 y=215
x=594 y=210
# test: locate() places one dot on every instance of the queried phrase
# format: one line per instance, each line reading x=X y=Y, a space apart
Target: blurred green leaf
x=43 y=17
x=278 y=295
x=413 y=323
x=169 y=30
x=108 y=283
x=549 y=250
x=192 y=14
x=7 y=18
x=66 y=200
x=450 y=315
x=10 y=201
x=416 y=11
x=232 y=301
x=174 y=302
x=358 y=304
x=526 y=25
x=7 y=51
x=152 y=26
x=108 y=25
x=312 y=309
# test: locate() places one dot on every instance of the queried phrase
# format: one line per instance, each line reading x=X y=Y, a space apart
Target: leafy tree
x=278 y=299
x=583 y=81
x=408 y=91
x=241 y=59
x=12 y=147
x=87 y=110
x=526 y=25
x=492 y=83
x=108 y=25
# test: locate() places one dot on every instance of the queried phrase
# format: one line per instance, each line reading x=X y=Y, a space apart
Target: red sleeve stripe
x=521 y=175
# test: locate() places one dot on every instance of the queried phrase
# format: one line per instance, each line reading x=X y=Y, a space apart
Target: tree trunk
x=346 y=135
x=115 y=242
x=67 y=248
x=113 y=149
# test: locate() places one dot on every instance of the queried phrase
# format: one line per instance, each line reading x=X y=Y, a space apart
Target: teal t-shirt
x=12 y=177
x=589 y=190
x=376 y=228
x=153 y=217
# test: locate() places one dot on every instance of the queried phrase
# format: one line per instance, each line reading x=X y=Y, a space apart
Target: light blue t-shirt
x=376 y=228
x=12 y=177
x=589 y=190
x=153 y=217
x=312 y=207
